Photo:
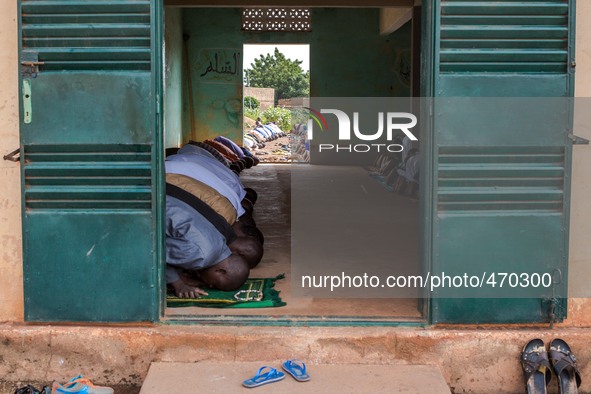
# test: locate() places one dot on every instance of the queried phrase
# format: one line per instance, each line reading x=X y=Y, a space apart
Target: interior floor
x=273 y=212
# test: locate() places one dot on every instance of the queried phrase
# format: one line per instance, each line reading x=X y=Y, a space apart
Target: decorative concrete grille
x=276 y=19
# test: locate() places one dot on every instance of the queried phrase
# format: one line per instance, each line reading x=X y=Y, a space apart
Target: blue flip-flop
x=262 y=378
x=297 y=369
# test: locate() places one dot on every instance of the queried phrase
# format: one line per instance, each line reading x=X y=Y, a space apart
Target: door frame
x=426 y=202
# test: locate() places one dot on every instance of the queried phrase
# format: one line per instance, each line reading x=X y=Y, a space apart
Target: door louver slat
x=114 y=177
x=504 y=36
x=501 y=179
x=88 y=35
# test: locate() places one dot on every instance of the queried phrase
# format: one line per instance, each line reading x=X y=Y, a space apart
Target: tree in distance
x=276 y=71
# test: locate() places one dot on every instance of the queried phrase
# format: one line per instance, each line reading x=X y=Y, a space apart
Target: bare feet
x=183 y=290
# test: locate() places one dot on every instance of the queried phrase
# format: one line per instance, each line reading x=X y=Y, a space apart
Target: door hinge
x=30 y=64
x=12 y=156
x=578 y=140
x=556 y=311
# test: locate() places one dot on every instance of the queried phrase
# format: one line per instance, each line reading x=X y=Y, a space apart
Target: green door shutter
x=90 y=160
x=500 y=189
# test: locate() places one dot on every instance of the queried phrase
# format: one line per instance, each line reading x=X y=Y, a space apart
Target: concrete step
x=219 y=377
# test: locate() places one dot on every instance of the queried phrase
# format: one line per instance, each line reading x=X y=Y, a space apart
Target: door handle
x=27 y=106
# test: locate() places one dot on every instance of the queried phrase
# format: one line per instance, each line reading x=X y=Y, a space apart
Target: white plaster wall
x=11 y=275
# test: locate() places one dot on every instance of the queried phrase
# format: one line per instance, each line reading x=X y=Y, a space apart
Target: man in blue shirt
x=200 y=156
x=203 y=174
x=195 y=245
x=230 y=144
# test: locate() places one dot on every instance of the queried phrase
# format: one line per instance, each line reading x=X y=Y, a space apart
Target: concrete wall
x=295 y=102
x=215 y=72
x=367 y=66
x=266 y=96
x=173 y=83
x=362 y=64
x=580 y=224
x=392 y=18
x=11 y=273
x=472 y=361
x=11 y=293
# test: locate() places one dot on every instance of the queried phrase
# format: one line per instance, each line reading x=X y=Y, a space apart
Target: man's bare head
x=249 y=248
x=227 y=275
x=243 y=230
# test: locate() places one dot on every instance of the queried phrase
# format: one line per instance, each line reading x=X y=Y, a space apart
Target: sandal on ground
x=564 y=363
x=28 y=389
x=536 y=367
x=297 y=369
x=262 y=377
x=79 y=384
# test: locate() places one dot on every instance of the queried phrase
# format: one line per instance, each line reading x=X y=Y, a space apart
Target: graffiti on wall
x=219 y=65
x=231 y=109
x=218 y=92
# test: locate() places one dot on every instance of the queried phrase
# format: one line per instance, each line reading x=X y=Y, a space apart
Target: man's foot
x=183 y=290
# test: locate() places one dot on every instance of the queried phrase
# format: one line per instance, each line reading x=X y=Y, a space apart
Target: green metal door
x=500 y=185
x=90 y=159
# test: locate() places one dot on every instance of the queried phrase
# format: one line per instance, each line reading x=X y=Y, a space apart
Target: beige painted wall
x=580 y=226
x=11 y=276
x=11 y=292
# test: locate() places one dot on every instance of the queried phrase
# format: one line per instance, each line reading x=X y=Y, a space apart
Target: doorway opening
x=276 y=92
x=351 y=55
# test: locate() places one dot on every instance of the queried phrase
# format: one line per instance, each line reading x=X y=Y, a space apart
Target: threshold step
x=213 y=377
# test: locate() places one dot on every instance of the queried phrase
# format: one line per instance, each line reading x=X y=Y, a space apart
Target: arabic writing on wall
x=219 y=65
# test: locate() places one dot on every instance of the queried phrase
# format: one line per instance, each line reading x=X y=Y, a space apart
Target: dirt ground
x=286 y=149
x=9 y=387
x=278 y=151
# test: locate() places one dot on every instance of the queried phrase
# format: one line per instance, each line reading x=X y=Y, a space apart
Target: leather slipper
x=536 y=367
x=564 y=363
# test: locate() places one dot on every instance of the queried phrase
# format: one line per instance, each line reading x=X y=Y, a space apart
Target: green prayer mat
x=253 y=288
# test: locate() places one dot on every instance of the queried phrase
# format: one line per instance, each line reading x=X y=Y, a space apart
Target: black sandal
x=564 y=363
x=536 y=367
x=28 y=389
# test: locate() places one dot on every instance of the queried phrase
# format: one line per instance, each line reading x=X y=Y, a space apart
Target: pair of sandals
x=537 y=367
x=266 y=374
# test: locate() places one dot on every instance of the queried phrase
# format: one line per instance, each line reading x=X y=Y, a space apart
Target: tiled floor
x=293 y=199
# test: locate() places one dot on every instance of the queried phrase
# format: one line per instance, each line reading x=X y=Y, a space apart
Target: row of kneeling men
x=211 y=237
